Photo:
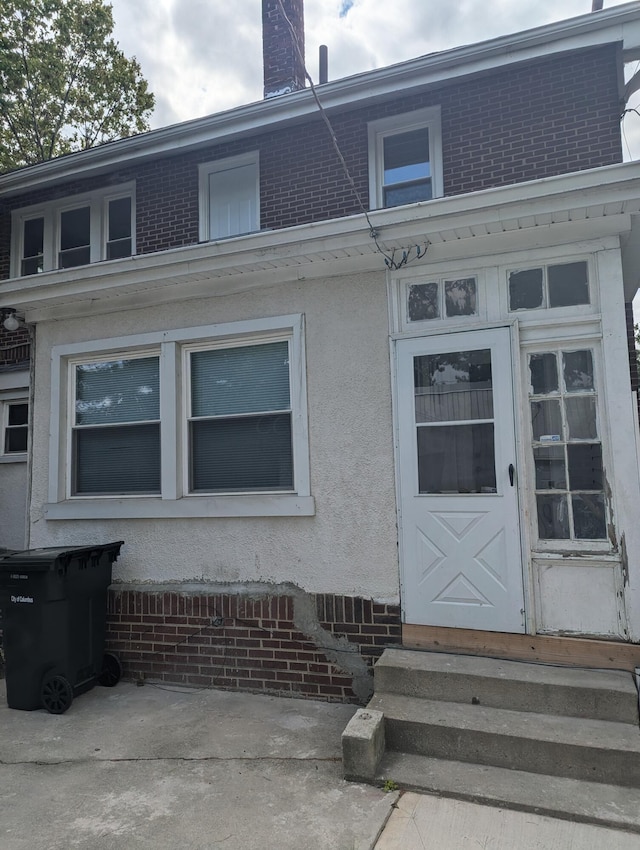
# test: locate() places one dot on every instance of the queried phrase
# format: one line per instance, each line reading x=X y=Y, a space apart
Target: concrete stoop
x=553 y=740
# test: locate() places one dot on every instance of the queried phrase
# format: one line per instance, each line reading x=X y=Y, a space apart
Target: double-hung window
x=207 y=421
x=405 y=159
x=115 y=432
x=74 y=231
x=240 y=419
x=229 y=197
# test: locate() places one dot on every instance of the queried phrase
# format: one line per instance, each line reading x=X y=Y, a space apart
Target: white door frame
x=404 y=347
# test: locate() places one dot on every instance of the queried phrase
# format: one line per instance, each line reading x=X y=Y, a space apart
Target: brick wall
x=525 y=122
x=274 y=641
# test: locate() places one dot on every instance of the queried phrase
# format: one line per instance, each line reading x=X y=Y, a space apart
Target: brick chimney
x=283 y=69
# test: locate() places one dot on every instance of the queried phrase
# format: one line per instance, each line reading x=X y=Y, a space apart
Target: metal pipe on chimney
x=323 y=72
x=596 y=5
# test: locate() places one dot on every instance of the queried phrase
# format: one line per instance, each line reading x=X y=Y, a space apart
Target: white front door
x=459 y=524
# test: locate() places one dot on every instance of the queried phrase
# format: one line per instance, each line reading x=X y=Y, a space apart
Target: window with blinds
x=240 y=419
x=116 y=427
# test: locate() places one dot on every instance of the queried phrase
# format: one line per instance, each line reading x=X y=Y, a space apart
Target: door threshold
x=544 y=649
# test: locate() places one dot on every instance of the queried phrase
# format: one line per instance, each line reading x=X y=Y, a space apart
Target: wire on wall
x=393 y=259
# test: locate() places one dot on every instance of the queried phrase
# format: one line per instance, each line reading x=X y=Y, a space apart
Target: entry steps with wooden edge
x=553 y=740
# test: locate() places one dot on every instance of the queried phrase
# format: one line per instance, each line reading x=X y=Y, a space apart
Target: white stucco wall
x=350 y=545
x=13 y=502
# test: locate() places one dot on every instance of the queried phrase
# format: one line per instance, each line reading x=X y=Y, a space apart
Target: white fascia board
x=290 y=253
x=618 y=24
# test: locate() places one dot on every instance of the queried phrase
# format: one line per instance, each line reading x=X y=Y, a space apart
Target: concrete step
x=577 y=748
x=589 y=802
x=598 y=694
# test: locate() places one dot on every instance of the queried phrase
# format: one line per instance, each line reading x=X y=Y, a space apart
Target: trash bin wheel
x=56 y=693
x=111 y=670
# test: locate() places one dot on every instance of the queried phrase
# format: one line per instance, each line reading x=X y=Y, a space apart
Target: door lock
x=512 y=470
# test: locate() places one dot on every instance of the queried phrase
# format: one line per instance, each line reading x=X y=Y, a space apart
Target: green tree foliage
x=64 y=83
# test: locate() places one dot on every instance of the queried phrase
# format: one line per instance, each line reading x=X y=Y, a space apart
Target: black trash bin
x=54 y=606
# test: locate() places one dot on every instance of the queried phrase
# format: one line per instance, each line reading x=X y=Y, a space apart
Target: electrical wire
x=389 y=258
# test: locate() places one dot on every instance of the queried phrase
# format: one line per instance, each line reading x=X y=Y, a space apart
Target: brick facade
x=14 y=345
x=525 y=122
x=319 y=646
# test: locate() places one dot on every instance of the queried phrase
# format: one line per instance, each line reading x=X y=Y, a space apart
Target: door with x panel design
x=460 y=550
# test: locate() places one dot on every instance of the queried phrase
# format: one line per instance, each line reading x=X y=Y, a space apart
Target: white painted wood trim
x=268 y=505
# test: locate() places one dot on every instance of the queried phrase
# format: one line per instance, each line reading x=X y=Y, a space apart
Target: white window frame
x=7 y=399
x=97 y=202
x=385 y=127
x=174 y=499
x=205 y=170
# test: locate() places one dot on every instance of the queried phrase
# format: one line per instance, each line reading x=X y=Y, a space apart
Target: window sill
x=18 y=457
x=188 y=507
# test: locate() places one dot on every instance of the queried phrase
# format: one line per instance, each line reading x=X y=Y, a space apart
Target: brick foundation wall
x=524 y=122
x=272 y=641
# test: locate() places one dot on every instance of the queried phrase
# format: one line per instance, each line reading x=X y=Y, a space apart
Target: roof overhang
x=580 y=207
x=620 y=24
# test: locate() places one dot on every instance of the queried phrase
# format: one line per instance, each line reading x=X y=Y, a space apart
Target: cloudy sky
x=203 y=56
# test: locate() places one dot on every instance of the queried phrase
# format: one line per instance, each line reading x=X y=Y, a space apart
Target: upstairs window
x=229 y=197
x=405 y=159
x=65 y=234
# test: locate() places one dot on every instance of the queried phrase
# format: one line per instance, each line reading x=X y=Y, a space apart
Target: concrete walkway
x=133 y=768
x=141 y=768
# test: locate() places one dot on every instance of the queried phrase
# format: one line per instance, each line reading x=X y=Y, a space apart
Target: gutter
x=617 y=24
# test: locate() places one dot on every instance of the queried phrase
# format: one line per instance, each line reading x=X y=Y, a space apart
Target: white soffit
x=582 y=206
x=620 y=24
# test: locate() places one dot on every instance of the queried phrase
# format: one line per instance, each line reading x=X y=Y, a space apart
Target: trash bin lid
x=46 y=558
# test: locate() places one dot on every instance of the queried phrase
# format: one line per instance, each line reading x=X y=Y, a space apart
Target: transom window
x=69 y=233
x=405 y=159
x=443 y=298
x=561 y=285
x=229 y=197
x=567 y=449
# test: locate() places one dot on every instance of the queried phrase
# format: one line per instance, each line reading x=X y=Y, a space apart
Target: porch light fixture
x=13 y=322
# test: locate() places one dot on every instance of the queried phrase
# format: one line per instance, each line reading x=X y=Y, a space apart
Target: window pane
x=585 y=466
x=544 y=373
x=119 y=219
x=397 y=195
x=74 y=257
x=568 y=284
x=550 y=468
x=251 y=453
x=578 y=370
x=460 y=297
x=456 y=459
x=581 y=417
x=553 y=517
x=240 y=380
x=406 y=157
x=453 y=387
x=121 y=248
x=233 y=201
x=75 y=228
x=18 y=414
x=423 y=302
x=546 y=420
x=15 y=439
x=589 y=516
x=33 y=237
x=118 y=391
x=122 y=459
x=525 y=289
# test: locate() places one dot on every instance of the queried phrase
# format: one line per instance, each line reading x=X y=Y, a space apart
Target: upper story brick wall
x=523 y=122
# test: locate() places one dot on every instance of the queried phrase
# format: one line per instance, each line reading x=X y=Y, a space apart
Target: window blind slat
x=120 y=459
